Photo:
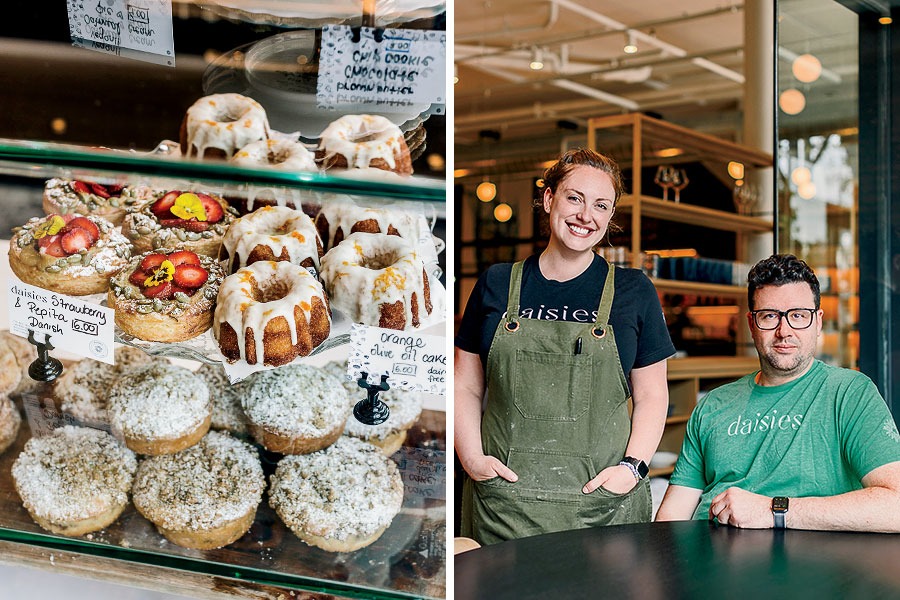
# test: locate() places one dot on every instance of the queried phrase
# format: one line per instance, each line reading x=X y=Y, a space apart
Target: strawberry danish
x=68 y=254
x=110 y=201
x=188 y=220
x=166 y=296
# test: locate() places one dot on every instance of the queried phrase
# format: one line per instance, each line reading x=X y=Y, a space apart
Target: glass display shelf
x=407 y=561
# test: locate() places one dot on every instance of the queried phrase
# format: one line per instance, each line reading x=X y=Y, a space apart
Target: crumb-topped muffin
x=75 y=480
x=295 y=409
x=339 y=499
x=202 y=497
x=160 y=408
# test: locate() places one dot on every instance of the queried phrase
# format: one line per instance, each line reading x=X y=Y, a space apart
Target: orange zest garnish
x=188 y=206
x=164 y=272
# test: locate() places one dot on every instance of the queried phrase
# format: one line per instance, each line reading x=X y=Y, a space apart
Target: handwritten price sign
x=70 y=324
x=139 y=31
x=411 y=361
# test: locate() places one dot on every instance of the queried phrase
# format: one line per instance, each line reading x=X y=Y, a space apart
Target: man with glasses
x=798 y=444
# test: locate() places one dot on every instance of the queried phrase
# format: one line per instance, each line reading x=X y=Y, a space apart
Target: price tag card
x=141 y=31
x=68 y=323
x=424 y=472
x=389 y=69
x=410 y=360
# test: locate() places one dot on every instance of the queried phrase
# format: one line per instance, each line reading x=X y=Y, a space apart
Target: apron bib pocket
x=552 y=387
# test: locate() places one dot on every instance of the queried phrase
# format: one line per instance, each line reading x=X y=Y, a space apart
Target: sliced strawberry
x=54 y=248
x=47 y=240
x=115 y=189
x=151 y=262
x=184 y=257
x=190 y=276
x=214 y=212
x=76 y=240
x=190 y=225
x=161 y=207
x=162 y=291
x=100 y=190
x=138 y=278
x=81 y=187
x=87 y=225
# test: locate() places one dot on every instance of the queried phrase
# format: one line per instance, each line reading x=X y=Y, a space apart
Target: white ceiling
x=689 y=68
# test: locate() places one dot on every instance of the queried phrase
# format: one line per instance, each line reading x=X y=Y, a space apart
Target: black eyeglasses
x=797 y=318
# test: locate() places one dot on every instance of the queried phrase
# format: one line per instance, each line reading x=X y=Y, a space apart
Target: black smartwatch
x=640 y=467
x=779 y=508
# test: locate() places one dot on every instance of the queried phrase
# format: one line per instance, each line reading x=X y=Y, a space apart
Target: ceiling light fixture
x=537 y=60
x=630 y=46
x=503 y=212
x=736 y=170
x=885 y=20
x=806 y=68
x=455 y=74
x=792 y=101
x=486 y=191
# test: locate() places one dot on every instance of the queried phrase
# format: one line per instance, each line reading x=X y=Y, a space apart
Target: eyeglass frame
x=782 y=315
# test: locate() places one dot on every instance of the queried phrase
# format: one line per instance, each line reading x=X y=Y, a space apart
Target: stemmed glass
x=679 y=182
x=745 y=196
x=664 y=179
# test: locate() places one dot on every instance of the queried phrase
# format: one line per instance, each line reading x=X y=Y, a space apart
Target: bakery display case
x=111 y=126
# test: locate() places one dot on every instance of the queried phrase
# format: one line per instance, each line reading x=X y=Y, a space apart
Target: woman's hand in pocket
x=617 y=479
x=486 y=467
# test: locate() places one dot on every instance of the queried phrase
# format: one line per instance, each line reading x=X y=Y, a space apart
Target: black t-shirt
x=636 y=315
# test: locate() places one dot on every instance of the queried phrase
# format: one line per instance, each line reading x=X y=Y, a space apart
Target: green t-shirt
x=818 y=435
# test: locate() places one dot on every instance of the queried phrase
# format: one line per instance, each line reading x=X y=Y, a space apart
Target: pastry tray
x=408 y=560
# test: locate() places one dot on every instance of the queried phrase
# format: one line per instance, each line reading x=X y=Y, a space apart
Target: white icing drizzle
x=227 y=122
x=360 y=139
x=296 y=401
x=82 y=388
x=405 y=407
x=208 y=485
x=344 y=215
x=73 y=474
x=277 y=227
x=284 y=155
x=348 y=489
x=367 y=270
x=236 y=305
x=227 y=413
x=158 y=401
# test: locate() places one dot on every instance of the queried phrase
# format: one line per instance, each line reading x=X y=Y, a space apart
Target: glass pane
x=818 y=165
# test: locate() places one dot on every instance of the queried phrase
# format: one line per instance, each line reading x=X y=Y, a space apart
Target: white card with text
x=411 y=361
x=70 y=324
x=141 y=31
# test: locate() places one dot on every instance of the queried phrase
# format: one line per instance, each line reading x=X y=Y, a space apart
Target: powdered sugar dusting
x=205 y=486
x=160 y=400
x=9 y=421
x=296 y=401
x=76 y=473
x=348 y=489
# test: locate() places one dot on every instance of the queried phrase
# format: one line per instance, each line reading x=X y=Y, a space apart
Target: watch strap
x=638 y=467
x=779 y=508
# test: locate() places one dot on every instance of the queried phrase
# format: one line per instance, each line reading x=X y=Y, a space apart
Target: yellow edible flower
x=51 y=226
x=164 y=272
x=188 y=206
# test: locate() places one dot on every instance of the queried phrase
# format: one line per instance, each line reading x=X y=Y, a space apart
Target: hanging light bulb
x=486 y=191
x=630 y=46
x=806 y=190
x=455 y=74
x=537 y=60
x=736 y=170
x=806 y=68
x=792 y=101
x=801 y=175
x=885 y=20
x=503 y=212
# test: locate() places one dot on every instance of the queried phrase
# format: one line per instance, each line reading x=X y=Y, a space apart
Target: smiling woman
x=559 y=342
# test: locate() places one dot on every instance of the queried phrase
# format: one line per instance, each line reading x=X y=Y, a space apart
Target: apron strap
x=606 y=300
x=512 y=303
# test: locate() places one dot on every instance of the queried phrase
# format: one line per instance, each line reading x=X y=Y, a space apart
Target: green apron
x=557 y=415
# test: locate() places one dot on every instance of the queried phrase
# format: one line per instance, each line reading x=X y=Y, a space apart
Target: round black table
x=684 y=559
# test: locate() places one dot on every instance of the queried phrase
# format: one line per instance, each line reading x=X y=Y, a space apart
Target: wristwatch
x=638 y=467
x=779 y=508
